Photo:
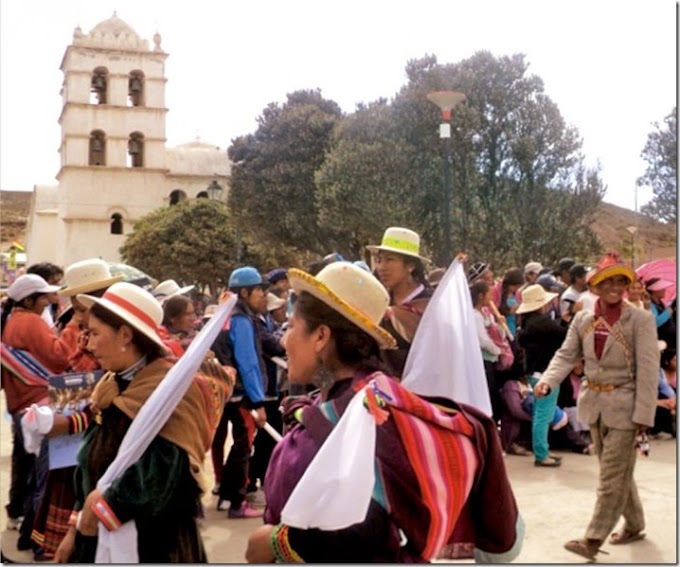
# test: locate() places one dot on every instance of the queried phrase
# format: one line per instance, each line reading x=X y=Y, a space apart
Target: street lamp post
x=632 y=230
x=446 y=101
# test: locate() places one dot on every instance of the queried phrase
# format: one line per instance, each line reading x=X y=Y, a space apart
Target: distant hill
x=652 y=240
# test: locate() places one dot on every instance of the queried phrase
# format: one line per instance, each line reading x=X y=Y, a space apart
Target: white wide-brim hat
x=534 y=297
x=400 y=240
x=354 y=293
x=88 y=275
x=134 y=305
x=169 y=288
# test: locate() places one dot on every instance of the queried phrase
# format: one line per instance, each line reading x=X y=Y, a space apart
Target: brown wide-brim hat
x=351 y=291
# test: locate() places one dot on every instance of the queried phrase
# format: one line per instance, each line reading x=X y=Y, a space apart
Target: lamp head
x=446 y=100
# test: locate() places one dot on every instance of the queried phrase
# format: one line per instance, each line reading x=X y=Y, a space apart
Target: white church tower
x=114 y=164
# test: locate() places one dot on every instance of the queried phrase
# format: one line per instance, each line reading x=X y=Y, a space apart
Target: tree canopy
x=192 y=242
x=661 y=154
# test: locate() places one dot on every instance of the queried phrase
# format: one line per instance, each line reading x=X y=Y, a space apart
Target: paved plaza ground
x=555 y=503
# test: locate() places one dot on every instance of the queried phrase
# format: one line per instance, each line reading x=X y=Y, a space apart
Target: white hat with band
x=400 y=240
x=134 y=305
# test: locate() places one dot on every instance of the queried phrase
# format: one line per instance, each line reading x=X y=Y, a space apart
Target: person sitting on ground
x=666 y=403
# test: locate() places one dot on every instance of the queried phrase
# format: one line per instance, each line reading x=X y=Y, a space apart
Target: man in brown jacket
x=618 y=399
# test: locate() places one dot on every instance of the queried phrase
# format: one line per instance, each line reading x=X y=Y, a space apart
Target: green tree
x=273 y=192
x=661 y=154
x=520 y=188
x=192 y=242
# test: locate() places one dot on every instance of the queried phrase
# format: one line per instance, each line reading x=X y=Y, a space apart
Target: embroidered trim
x=283 y=552
x=103 y=511
x=617 y=335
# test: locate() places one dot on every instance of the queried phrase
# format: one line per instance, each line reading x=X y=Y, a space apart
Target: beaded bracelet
x=283 y=552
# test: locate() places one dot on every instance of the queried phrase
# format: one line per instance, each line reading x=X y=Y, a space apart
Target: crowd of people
x=574 y=357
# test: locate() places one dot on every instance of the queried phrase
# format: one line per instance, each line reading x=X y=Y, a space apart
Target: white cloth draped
x=120 y=546
x=445 y=357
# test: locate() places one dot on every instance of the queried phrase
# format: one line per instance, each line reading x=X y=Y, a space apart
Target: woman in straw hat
x=161 y=490
x=540 y=337
x=618 y=399
x=334 y=341
x=90 y=276
x=401 y=269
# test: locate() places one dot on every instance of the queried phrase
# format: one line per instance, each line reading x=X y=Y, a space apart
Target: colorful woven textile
x=23 y=366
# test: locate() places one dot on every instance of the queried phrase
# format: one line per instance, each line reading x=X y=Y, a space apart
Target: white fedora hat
x=169 y=288
x=534 y=297
x=134 y=305
x=400 y=240
x=354 y=293
x=88 y=275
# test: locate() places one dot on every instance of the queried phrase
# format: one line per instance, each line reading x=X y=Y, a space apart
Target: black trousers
x=234 y=481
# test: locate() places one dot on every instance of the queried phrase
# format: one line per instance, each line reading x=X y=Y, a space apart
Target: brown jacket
x=630 y=362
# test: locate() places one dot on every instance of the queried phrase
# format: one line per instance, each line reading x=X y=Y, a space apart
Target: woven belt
x=600 y=387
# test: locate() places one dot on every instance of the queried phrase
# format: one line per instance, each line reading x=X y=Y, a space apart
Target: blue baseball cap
x=246 y=276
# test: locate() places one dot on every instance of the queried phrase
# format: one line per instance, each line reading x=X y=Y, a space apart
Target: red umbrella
x=664 y=269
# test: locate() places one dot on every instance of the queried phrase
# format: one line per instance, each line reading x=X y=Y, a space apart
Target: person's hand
x=88 y=524
x=462 y=257
x=259 y=548
x=640 y=428
x=260 y=416
x=578 y=306
x=66 y=547
x=541 y=390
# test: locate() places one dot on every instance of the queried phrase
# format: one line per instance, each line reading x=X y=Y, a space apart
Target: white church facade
x=115 y=167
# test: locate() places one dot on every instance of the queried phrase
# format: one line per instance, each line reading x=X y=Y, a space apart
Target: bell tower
x=112 y=145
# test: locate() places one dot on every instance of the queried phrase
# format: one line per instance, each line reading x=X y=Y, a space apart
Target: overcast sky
x=610 y=66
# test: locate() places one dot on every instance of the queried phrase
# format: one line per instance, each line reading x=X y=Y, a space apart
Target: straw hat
x=88 y=275
x=352 y=292
x=534 y=297
x=274 y=302
x=28 y=284
x=134 y=305
x=399 y=240
x=610 y=266
x=169 y=288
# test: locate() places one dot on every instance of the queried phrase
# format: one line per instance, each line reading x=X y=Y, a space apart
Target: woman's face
x=81 y=314
x=300 y=348
x=635 y=291
x=658 y=294
x=38 y=304
x=391 y=269
x=185 y=321
x=612 y=289
x=108 y=344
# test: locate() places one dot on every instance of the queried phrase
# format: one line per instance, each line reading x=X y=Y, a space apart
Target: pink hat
x=657 y=284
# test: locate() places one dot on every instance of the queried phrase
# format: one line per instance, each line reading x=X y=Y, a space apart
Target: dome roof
x=112 y=33
x=114 y=26
x=197 y=158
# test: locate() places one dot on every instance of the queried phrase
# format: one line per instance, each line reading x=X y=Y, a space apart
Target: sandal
x=587 y=548
x=516 y=449
x=548 y=462
x=626 y=537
